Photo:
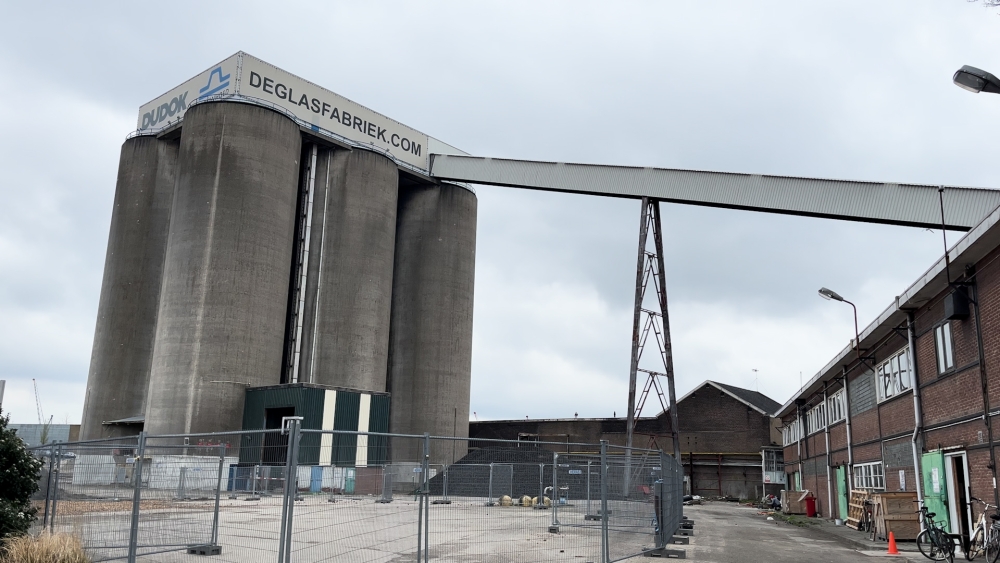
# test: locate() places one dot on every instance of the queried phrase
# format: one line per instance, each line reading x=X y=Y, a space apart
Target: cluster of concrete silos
x=244 y=252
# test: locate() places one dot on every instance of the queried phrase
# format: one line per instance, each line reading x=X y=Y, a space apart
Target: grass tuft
x=44 y=548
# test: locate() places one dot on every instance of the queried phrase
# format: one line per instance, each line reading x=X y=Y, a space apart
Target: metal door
x=842 y=491
x=935 y=486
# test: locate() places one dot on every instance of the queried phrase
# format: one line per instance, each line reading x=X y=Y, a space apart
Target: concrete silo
x=430 y=350
x=126 y=318
x=228 y=261
x=345 y=311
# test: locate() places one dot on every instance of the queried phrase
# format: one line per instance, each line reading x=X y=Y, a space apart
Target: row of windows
x=893 y=377
x=792 y=433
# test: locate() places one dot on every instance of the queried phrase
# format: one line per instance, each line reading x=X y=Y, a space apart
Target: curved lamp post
x=975 y=80
x=830 y=294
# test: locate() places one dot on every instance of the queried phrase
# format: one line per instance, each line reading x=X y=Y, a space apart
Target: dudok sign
x=243 y=77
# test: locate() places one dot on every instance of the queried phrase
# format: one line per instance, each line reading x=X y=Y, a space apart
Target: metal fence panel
x=307 y=496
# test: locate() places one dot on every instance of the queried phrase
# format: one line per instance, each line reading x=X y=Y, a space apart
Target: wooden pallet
x=856 y=508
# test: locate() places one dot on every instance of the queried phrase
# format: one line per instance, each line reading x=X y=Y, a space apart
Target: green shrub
x=18 y=481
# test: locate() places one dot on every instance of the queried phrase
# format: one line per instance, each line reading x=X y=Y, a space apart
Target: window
x=942 y=342
x=869 y=476
x=894 y=375
x=774 y=461
x=837 y=407
x=792 y=433
x=816 y=418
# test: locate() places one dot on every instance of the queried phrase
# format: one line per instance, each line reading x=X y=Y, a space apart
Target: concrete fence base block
x=664 y=552
x=680 y=540
x=553 y=529
x=204 y=550
x=684 y=532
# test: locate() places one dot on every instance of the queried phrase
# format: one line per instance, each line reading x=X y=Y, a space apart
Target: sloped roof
x=753 y=399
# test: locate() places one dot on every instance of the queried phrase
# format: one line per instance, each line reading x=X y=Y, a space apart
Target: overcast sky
x=852 y=90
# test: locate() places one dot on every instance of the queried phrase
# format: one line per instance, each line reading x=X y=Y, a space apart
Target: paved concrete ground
x=730 y=533
x=357 y=529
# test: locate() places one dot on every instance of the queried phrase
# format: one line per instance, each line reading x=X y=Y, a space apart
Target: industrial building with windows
x=910 y=407
x=729 y=439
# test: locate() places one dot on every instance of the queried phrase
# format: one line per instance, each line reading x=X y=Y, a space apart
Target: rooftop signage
x=246 y=78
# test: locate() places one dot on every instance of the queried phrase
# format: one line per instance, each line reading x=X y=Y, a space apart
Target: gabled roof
x=753 y=399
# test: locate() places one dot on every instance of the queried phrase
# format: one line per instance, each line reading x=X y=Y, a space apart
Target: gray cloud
x=846 y=90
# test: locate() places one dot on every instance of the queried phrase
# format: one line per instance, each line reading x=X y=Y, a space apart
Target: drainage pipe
x=850 y=436
x=826 y=424
x=918 y=417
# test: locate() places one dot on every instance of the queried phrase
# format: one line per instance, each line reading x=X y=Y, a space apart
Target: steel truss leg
x=650 y=265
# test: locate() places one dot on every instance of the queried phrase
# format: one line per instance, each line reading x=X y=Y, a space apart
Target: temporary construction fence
x=306 y=496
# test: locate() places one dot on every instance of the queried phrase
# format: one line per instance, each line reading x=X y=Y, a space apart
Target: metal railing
x=300 y=495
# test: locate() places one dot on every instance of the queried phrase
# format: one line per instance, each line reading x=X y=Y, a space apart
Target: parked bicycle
x=986 y=536
x=934 y=542
x=867 y=520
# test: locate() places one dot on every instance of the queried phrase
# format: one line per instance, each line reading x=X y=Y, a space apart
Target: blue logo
x=223 y=83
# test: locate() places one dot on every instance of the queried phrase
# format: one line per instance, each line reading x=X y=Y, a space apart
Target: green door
x=935 y=488
x=349 y=480
x=842 y=491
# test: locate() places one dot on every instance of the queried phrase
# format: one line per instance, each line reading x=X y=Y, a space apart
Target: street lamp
x=974 y=80
x=830 y=294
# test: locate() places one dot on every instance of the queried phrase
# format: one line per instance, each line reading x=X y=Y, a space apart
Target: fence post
x=605 y=551
x=489 y=499
x=664 y=490
x=291 y=483
x=48 y=488
x=427 y=495
x=555 y=491
x=588 y=489
x=133 y=535
x=57 y=464
x=446 y=484
x=290 y=424
x=218 y=494
x=541 y=487
x=423 y=504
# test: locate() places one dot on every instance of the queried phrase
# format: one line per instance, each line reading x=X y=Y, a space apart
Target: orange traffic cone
x=892 y=544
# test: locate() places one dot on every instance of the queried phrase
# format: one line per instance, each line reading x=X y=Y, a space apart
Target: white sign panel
x=170 y=107
x=326 y=110
x=935 y=481
x=247 y=77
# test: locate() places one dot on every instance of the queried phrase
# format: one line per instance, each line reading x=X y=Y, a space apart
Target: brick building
x=724 y=432
x=910 y=408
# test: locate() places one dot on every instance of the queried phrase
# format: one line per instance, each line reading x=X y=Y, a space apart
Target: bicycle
x=933 y=542
x=867 y=521
x=986 y=537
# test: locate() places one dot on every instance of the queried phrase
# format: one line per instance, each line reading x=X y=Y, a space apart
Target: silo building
x=276 y=249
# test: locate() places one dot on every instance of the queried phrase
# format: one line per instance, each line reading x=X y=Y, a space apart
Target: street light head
x=829 y=294
x=975 y=80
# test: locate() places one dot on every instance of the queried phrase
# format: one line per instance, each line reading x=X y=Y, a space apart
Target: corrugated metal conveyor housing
x=872 y=202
